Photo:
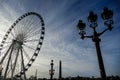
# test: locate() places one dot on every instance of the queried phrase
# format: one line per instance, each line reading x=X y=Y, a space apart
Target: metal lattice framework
x=21 y=44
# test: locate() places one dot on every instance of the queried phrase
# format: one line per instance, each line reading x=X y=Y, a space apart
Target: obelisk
x=60 y=70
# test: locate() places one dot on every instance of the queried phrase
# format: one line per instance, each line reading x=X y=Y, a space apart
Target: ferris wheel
x=21 y=44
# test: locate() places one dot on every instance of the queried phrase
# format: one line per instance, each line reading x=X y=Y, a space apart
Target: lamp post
x=92 y=19
x=51 y=71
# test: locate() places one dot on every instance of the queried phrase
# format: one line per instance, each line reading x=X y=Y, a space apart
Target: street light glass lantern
x=81 y=25
x=107 y=17
x=107 y=14
x=92 y=17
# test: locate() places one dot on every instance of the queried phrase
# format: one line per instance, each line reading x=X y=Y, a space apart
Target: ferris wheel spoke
x=15 y=31
x=7 y=42
x=13 y=35
x=28 y=47
x=31 y=24
x=32 y=40
x=29 y=27
x=26 y=22
x=18 y=29
x=21 y=27
x=32 y=30
x=27 y=56
x=33 y=35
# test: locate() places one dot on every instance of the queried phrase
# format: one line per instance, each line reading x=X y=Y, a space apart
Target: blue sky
x=62 y=41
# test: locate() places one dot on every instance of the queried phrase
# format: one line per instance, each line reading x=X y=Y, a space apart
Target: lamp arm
x=99 y=34
x=88 y=36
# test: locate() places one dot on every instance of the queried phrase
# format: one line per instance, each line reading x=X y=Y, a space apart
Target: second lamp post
x=51 y=71
x=92 y=19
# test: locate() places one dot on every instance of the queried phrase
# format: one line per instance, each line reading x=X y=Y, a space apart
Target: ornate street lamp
x=51 y=71
x=92 y=19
